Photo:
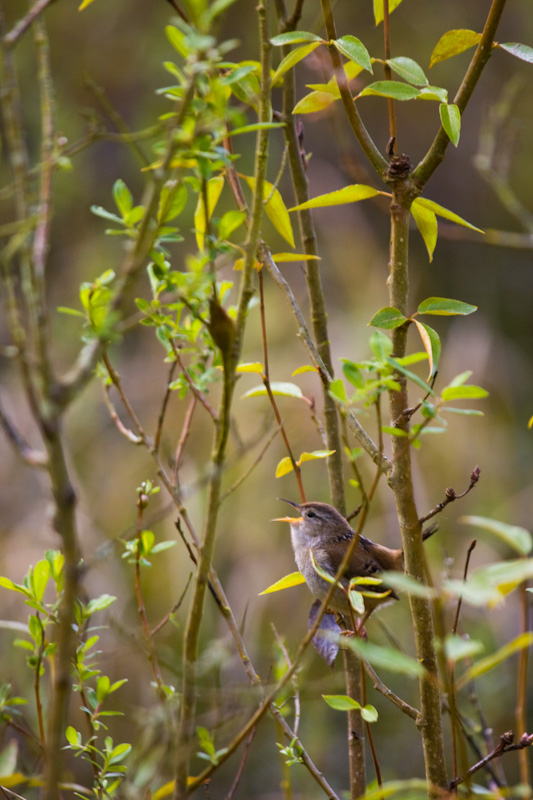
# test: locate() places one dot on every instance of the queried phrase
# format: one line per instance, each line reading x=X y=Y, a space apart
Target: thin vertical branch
x=388 y=74
x=230 y=359
x=521 y=700
x=401 y=483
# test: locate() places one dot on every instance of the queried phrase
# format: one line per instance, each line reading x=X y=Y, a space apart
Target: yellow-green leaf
x=213 y=190
x=294 y=579
x=452 y=43
x=314 y=455
x=281 y=388
x=293 y=58
x=349 y=194
x=315 y=101
x=516 y=537
x=307 y=368
x=444 y=212
x=284 y=467
x=450 y=116
x=431 y=341
x=378 y=9
x=84 y=4
x=488 y=663
x=252 y=366
x=426 y=222
x=457 y=648
x=280 y=258
x=275 y=209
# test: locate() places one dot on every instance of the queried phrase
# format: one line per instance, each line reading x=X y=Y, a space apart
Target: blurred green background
x=121 y=47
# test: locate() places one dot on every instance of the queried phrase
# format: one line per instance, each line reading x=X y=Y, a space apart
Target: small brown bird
x=322 y=533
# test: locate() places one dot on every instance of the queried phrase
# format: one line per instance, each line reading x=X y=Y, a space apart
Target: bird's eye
x=311 y=515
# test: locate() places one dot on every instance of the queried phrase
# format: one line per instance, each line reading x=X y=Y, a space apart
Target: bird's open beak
x=287 y=519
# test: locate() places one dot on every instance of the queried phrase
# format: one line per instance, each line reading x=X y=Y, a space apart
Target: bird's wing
x=362 y=564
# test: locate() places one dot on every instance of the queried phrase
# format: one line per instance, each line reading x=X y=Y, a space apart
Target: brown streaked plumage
x=323 y=532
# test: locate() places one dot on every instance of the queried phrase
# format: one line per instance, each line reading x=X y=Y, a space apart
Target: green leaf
x=457 y=648
x=516 y=537
x=72 y=736
x=450 y=116
x=380 y=345
x=452 y=43
x=337 y=390
x=369 y=713
x=353 y=374
x=341 y=702
x=378 y=9
x=123 y=197
x=230 y=221
x=443 y=306
x=393 y=89
x=256 y=126
x=354 y=50
x=349 y=194
x=119 y=753
x=463 y=393
x=98 y=211
x=100 y=603
x=444 y=212
x=178 y=40
x=431 y=341
x=172 y=201
x=405 y=583
x=285 y=389
x=294 y=579
x=385 y=657
x=409 y=70
x=521 y=51
x=489 y=585
x=275 y=209
x=485 y=664
x=461 y=378
x=411 y=375
x=39 y=578
x=388 y=318
x=293 y=58
x=284 y=467
x=426 y=222
x=433 y=93
x=294 y=37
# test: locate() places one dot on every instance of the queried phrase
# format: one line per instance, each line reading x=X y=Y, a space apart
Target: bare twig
x=33 y=458
x=451 y=495
x=505 y=745
x=23 y=24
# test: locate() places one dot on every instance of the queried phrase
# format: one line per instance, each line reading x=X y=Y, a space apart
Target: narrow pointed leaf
x=443 y=306
x=452 y=43
x=444 y=212
x=457 y=648
x=285 y=389
x=378 y=9
x=485 y=664
x=522 y=51
x=450 y=116
x=275 y=209
x=409 y=70
x=426 y=222
x=293 y=579
x=252 y=366
x=354 y=50
x=464 y=393
x=305 y=368
x=315 y=101
x=392 y=89
x=282 y=258
x=341 y=702
x=411 y=375
x=349 y=194
x=213 y=190
x=295 y=37
x=516 y=537
x=385 y=657
x=316 y=454
x=292 y=58
x=431 y=341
